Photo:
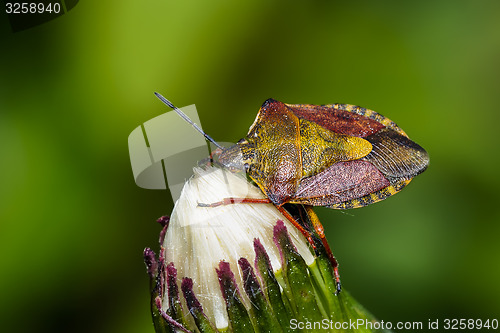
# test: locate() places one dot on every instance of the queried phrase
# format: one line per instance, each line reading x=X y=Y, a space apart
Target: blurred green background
x=74 y=224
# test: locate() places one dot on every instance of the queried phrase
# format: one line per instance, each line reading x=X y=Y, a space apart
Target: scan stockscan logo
x=164 y=150
x=25 y=14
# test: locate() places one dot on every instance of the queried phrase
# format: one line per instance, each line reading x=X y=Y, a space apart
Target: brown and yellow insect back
x=339 y=156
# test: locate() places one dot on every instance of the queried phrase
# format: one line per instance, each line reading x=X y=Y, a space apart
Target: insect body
x=339 y=156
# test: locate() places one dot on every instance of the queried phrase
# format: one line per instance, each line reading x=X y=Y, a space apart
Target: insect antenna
x=186 y=118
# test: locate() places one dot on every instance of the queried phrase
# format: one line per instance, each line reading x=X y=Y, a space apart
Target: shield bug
x=339 y=156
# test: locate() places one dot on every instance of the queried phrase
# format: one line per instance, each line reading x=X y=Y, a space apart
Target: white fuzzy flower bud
x=198 y=238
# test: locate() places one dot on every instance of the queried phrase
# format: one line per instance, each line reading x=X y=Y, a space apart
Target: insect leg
x=229 y=201
x=318 y=227
x=296 y=224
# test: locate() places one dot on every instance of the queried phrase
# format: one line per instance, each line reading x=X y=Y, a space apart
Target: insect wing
x=396 y=158
x=395 y=155
x=342 y=182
